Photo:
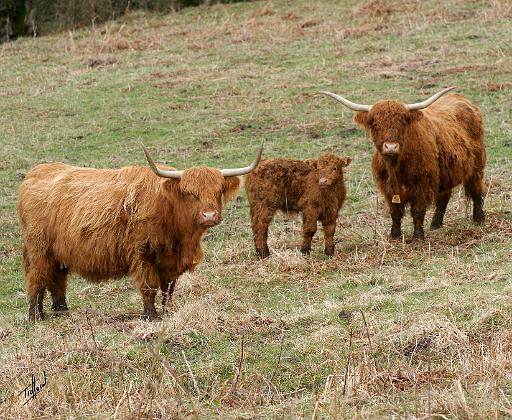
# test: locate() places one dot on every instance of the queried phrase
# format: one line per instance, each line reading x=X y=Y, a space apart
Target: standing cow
x=313 y=187
x=422 y=151
x=106 y=223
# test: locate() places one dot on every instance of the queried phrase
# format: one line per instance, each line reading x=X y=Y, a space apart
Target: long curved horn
x=353 y=106
x=160 y=172
x=247 y=169
x=429 y=101
x=224 y=172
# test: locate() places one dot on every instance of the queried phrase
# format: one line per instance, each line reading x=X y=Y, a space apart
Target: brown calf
x=314 y=188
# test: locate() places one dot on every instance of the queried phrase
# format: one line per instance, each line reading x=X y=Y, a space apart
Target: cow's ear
x=345 y=161
x=230 y=187
x=413 y=116
x=363 y=118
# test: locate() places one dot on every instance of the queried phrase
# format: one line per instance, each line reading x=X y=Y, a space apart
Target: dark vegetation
x=40 y=17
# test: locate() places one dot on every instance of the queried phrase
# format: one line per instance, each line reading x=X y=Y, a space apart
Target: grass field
x=381 y=329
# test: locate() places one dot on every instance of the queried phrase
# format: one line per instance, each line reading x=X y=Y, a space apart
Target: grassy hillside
x=383 y=328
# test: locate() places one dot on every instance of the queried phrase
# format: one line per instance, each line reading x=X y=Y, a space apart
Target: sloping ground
x=381 y=329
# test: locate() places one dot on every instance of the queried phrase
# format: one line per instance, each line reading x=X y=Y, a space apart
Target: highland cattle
x=107 y=223
x=422 y=151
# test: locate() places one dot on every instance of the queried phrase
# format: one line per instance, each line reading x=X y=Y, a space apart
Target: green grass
x=205 y=86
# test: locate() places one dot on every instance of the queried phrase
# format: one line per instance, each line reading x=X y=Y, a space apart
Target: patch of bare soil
x=310 y=22
x=254 y=323
x=93 y=63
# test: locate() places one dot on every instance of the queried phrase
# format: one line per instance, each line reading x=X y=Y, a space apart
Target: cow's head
x=202 y=191
x=387 y=120
x=330 y=169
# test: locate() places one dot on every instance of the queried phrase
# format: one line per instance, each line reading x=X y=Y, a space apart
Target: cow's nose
x=209 y=216
x=323 y=181
x=390 y=147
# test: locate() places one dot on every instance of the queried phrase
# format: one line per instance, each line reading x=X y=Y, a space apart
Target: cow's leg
x=474 y=188
x=25 y=260
x=309 y=226
x=39 y=271
x=35 y=298
x=260 y=222
x=397 y=212
x=329 y=229
x=441 y=204
x=147 y=279
x=418 y=210
x=57 y=288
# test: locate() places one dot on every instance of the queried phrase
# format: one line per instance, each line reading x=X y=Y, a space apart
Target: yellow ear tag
x=395 y=199
x=196 y=261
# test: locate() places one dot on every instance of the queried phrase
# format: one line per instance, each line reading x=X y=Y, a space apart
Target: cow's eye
x=334 y=168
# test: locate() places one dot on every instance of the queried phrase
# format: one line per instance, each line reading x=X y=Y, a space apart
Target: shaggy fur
x=105 y=224
x=440 y=147
x=293 y=186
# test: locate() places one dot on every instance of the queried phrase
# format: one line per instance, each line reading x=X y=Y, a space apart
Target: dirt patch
x=254 y=323
x=419 y=345
x=93 y=63
x=242 y=127
x=310 y=22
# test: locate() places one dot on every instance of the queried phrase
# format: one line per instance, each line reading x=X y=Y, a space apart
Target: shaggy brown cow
x=106 y=223
x=313 y=187
x=422 y=151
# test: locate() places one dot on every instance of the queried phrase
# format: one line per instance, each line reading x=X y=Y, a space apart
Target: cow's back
x=279 y=183
x=81 y=215
x=458 y=128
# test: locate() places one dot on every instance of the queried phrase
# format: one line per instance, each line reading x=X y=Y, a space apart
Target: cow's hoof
x=305 y=250
x=150 y=316
x=60 y=306
x=60 y=311
x=418 y=236
x=329 y=250
x=263 y=253
x=35 y=316
x=479 y=219
x=394 y=235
